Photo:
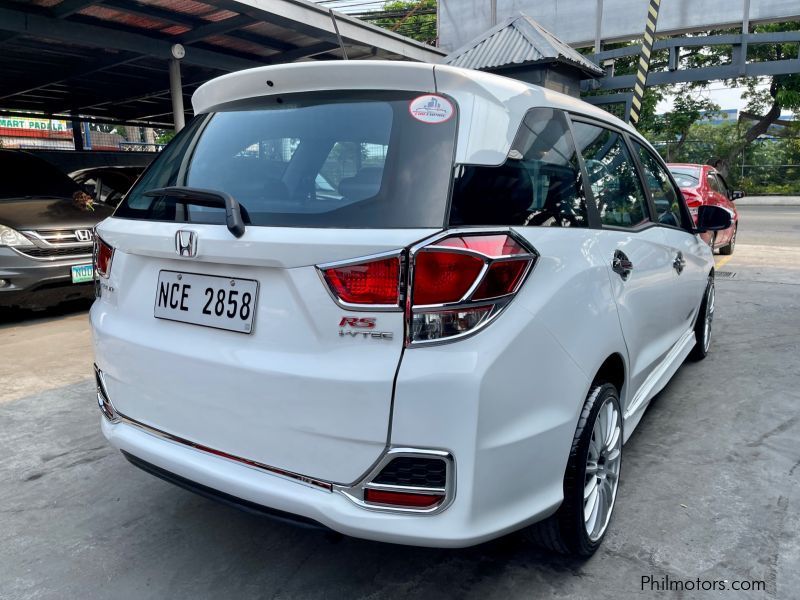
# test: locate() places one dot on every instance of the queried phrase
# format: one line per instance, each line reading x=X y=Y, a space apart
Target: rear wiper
x=203 y=197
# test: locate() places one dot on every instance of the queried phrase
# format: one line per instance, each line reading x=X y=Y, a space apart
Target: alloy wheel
x=602 y=470
x=709 y=316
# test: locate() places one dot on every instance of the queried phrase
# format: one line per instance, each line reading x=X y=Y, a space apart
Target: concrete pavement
x=710 y=482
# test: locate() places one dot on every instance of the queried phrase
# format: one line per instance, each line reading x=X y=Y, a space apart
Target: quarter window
x=721 y=187
x=615 y=184
x=665 y=197
x=539 y=184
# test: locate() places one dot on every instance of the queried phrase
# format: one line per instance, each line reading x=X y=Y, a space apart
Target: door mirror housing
x=712 y=218
x=737 y=194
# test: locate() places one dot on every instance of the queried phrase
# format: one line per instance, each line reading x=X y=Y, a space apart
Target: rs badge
x=362 y=327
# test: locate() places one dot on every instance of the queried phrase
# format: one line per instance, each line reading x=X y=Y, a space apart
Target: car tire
x=570 y=530
x=702 y=325
x=727 y=250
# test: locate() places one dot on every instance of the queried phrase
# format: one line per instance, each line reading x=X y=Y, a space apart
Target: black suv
x=46 y=233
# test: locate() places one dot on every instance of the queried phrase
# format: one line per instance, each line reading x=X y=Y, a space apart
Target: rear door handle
x=621 y=264
x=679 y=263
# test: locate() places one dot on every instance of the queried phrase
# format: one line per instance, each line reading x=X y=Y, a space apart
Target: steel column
x=176 y=93
x=644 y=60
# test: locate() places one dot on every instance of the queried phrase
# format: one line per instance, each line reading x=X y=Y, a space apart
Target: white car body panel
x=297 y=396
x=294 y=380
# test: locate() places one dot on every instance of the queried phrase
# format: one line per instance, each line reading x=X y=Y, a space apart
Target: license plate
x=208 y=300
x=82 y=273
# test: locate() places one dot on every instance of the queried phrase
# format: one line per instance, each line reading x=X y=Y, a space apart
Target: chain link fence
x=769 y=166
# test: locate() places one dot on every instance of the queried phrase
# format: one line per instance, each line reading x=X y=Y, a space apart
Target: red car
x=703 y=184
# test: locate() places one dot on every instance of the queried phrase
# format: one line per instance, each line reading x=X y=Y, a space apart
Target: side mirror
x=738 y=194
x=712 y=218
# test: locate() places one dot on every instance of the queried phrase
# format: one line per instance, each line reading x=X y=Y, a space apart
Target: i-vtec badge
x=362 y=327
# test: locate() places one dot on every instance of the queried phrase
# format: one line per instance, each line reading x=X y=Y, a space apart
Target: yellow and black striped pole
x=644 y=61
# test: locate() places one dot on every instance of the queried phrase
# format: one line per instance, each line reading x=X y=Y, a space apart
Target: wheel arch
x=613 y=371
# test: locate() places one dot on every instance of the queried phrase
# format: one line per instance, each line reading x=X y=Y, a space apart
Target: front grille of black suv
x=55 y=253
x=414 y=471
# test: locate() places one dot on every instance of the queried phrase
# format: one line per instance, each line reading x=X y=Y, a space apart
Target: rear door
x=257 y=358
x=639 y=261
x=689 y=252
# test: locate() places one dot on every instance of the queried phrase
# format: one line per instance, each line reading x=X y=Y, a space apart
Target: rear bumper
x=258 y=491
x=34 y=283
x=503 y=409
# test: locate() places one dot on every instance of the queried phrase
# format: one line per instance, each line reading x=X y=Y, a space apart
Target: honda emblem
x=186 y=243
x=84 y=235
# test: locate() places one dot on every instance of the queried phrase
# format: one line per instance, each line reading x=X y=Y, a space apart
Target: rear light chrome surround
x=475 y=310
x=103 y=401
x=440 y=497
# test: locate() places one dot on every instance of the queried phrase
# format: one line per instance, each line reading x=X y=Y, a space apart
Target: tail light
x=693 y=201
x=371 y=282
x=449 y=286
x=445 y=307
x=103 y=255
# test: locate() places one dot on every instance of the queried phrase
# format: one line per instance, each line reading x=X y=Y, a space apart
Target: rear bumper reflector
x=404 y=499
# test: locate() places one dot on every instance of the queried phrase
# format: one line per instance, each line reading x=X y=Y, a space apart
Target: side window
x=721 y=187
x=539 y=184
x=612 y=175
x=665 y=196
x=712 y=182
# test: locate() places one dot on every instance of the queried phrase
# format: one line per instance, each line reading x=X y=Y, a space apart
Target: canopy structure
x=520 y=47
x=116 y=60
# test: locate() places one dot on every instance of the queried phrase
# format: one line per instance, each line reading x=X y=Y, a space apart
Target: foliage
x=745 y=151
x=421 y=27
x=163 y=136
x=687 y=109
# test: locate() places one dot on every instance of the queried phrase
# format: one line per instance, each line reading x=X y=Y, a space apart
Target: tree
x=783 y=92
x=413 y=18
x=674 y=126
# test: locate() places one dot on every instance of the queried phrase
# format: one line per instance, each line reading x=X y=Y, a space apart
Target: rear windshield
x=25 y=176
x=320 y=160
x=686 y=177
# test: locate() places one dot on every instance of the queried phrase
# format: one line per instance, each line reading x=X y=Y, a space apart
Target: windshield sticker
x=431 y=109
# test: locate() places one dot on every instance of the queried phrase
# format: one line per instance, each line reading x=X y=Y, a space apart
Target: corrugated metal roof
x=517 y=41
x=108 y=58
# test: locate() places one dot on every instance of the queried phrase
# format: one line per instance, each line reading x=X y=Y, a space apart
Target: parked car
x=107 y=185
x=452 y=346
x=46 y=234
x=704 y=185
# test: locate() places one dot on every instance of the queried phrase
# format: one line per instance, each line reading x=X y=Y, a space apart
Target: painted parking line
x=723 y=261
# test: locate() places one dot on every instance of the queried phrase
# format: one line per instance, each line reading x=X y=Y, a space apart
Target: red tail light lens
x=407 y=499
x=501 y=279
x=103 y=255
x=494 y=264
x=442 y=277
x=492 y=246
x=373 y=282
x=693 y=201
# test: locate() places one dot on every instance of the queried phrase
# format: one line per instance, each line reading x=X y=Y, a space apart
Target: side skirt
x=656 y=381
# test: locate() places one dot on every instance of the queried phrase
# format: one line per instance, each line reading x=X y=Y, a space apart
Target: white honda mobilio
x=409 y=302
